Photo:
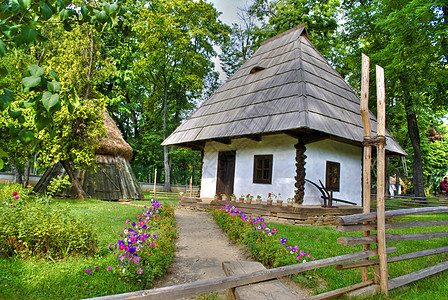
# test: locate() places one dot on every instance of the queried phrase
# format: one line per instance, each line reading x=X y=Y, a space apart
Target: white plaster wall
x=284 y=170
x=350 y=158
x=280 y=146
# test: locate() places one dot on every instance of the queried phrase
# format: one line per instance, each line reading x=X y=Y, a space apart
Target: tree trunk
x=166 y=186
x=74 y=179
x=15 y=171
x=26 y=173
x=417 y=166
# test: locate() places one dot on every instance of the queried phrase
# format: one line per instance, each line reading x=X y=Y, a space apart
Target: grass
x=321 y=243
x=67 y=279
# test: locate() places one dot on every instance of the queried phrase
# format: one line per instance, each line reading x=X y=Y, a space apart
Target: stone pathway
x=202 y=247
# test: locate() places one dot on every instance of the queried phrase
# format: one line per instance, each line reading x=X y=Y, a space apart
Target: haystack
x=113 y=178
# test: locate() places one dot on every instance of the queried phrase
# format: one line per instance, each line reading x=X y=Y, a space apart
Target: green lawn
x=67 y=279
x=321 y=243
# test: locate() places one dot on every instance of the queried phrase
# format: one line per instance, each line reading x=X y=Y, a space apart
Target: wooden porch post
x=300 y=172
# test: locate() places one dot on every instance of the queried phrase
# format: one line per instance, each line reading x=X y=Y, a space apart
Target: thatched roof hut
x=113 y=178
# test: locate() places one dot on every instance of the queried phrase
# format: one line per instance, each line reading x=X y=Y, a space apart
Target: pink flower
x=14 y=193
x=108 y=268
x=88 y=271
x=127 y=221
x=16 y=197
x=95 y=268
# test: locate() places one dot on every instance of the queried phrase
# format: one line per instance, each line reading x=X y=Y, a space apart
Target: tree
x=23 y=24
x=177 y=37
x=408 y=39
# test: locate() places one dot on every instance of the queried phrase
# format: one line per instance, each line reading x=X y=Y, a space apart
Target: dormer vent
x=256 y=69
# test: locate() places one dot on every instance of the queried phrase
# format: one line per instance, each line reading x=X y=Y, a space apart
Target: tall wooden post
x=155 y=181
x=367 y=160
x=191 y=186
x=381 y=220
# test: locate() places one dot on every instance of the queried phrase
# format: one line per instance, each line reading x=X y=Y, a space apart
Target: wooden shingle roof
x=286 y=85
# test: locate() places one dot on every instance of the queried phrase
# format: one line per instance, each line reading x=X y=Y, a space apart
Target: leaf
x=67 y=26
x=2 y=164
x=26 y=136
x=2 y=48
x=3 y=153
x=6 y=99
x=54 y=75
x=66 y=14
x=3 y=71
x=35 y=70
x=49 y=100
x=41 y=122
x=29 y=103
x=30 y=82
x=54 y=86
x=46 y=10
x=15 y=113
x=26 y=36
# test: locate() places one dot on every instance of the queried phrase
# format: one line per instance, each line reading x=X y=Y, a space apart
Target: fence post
x=367 y=160
x=381 y=220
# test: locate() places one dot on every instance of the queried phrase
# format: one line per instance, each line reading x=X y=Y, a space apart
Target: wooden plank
x=399 y=225
x=359 y=218
x=367 y=291
x=208 y=286
x=272 y=289
x=350 y=241
x=341 y=291
x=423 y=273
x=392 y=259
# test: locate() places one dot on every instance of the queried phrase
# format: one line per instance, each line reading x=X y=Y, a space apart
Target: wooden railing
x=358 y=223
x=408 y=201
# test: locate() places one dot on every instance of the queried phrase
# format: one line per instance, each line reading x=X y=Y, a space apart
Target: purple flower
x=108 y=268
x=139 y=271
x=88 y=271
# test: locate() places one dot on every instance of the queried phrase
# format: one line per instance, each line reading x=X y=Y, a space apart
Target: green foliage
x=29 y=229
x=57 y=184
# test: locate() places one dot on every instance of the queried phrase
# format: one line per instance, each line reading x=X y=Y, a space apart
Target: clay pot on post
x=241 y=200
x=225 y=197
x=259 y=200
x=233 y=198
x=217 y=198
x=269 y=202
x=279 y=202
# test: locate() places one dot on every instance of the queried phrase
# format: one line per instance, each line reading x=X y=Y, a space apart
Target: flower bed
x=146 y=247
x=265 y=244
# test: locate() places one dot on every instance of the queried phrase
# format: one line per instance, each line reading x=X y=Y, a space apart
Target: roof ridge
x=300 y=27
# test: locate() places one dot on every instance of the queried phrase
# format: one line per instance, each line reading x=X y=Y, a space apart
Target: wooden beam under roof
x=226 y=141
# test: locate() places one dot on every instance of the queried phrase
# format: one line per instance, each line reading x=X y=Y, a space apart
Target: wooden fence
x=408 y=201
x=358 y=223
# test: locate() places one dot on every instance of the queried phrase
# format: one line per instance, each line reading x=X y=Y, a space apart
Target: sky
x=229 y=9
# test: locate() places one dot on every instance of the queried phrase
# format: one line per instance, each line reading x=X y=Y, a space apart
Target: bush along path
x=202 y=247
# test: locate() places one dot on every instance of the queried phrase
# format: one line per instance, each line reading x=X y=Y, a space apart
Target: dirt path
x=201 y=249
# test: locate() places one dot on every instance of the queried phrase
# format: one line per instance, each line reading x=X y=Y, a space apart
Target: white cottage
x=285 y=118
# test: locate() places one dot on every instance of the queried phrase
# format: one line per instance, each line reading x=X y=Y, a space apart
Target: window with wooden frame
x=263 y=169
x=332 y=177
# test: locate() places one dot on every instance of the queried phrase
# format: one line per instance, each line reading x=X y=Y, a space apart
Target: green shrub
x=29 y=229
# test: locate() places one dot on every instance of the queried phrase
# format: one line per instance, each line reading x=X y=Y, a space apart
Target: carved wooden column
x=300 y=172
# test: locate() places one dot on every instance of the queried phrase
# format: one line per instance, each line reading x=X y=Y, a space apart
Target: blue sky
x=228 y=9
